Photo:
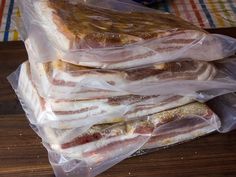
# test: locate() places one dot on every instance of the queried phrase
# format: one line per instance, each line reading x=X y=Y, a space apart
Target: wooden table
x=22 y=155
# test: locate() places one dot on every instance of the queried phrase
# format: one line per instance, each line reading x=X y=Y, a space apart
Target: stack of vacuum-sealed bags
x=106 y=80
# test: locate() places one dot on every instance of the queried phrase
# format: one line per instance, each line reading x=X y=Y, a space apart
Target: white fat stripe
x=77 y=151
x=181 y=101
x=45 y=14
x=180 y=138
x=25 y=86
x=63 y=90
x=117 y=77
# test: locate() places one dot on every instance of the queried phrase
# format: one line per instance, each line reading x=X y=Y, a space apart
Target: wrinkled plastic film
x=74 y=167
x=199 y=80
x=225 y=107
x=60 y=113
x=108 y=80
x=208 y=80
x=88 y=153
x=49 y=132
x=14 y=79
x=86 y=113
x=155 y=140
x=152 y=123
x=86 y=156
x=173 y=43
x=70 y=166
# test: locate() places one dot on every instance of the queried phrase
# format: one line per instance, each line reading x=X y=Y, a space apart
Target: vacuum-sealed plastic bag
x=107 y=80
x=75 y=113
x=113 y=34
x=191 y=124
x=167 y=125
x=105 y=145
x=67 y=113
x=61 y=80
x=175 y=90
x=196 y=79
x=72 y=153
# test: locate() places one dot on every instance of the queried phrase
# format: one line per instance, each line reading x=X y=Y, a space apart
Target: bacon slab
x=76 y=113
x=107 y=141
x=61 y=80
x=131 y=39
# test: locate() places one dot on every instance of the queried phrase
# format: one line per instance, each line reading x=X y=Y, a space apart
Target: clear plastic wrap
x=105 y=145
x=107 y=80
x=184 y=119
x=87 y=151
x=225 y=107
x=114 y=35
x=73 y=113
x=83 y=114
x=92 y=153
x=199 y=80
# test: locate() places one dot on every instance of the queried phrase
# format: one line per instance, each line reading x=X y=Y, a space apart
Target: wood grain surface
x=22 y=154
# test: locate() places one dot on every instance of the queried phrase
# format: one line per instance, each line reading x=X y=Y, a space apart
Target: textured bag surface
x=103 y=146
x=113 y=34
x=199 y=80
x=82 y=113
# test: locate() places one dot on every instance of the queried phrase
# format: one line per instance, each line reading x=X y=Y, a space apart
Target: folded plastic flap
x=225 y=107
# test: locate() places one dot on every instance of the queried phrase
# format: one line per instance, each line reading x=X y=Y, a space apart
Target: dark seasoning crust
x=100 y=27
